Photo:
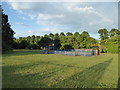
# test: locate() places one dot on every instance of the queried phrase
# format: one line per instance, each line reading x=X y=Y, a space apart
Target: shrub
x=112 y=48
x=34 y=46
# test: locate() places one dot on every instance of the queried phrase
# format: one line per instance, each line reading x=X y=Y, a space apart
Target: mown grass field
x=30 y=69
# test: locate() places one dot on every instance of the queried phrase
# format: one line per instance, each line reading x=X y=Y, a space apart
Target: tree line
x=60 y=41
x=108 y=39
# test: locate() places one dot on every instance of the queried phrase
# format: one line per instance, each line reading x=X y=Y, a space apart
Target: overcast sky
x=39 y=18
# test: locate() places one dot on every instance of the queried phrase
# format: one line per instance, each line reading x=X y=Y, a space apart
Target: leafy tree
x=76 y=34
x=113 y=32
x=37 y=39
x=34 y=46
x=67 y=47
x=46 y=35
x=103 y=34
x=51 y=36
x=45 y=41
x=62 y=34
x=23 y=44
x=111 y=44
x=7 y=33
x=57 y=43
x=76 y=45
x=28 y=38
x=56 y=36
x=33 y=39
x=103 y=49
x=85 y=34
x=69 y=34
x=112 y=48
x=89 y=42
x=70 y=40
x=15 y=44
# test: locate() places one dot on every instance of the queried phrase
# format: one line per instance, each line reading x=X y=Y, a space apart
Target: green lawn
x=30 y=69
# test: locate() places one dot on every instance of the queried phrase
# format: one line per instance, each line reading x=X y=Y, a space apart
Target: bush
x=34 y=46
x=112 y=48
x=15 y=45
x=103 y=49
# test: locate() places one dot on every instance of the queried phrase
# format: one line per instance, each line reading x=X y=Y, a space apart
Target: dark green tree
x=76 y=34
x=113 y=32
x=23 y=44
x=85 y=34
x=62 y=34
x=37 y=39
x=56 y=36
x=103 y=34
x=33 y=39
x=45 y=41
x=57 y=43
x=7 y=33
x=51 y=36
x=69 y=34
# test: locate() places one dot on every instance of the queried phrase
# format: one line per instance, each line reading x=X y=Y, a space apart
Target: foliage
x=67 y=41
x=57 y=43
x=62 y=34
x=45 y=41
x=76 y=34
x=114 y=32
x=112 y=48
x=7 y=33
x=69 y=34
x=103 y=49
x=110 y=44
x=103 y=34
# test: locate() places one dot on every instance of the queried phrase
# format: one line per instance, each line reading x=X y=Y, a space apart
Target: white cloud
x=23 y=18
x=62 y=0
x=22 y=24
x=43 y=31
x=29 y=31
x=69 y=16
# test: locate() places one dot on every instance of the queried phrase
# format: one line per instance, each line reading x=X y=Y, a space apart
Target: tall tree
x=45 y=41
x=23 y=44
x=76 y=34
x=7 y=33
x=69 y=34
x=57 y=43
x=51 y=36
x=70 y=40
x=37 y=39
x=62 y=34
x=56 y=36
x=103 y=34
x=113 y=32
x=33 y=39
x=85 y=34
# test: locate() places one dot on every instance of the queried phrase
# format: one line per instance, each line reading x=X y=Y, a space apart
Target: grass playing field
x=30 y=69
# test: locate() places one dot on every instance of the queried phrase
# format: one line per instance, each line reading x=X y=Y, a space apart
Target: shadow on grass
x=22 y=52
x=28 y=79
x=88 y=78
x=118 y=86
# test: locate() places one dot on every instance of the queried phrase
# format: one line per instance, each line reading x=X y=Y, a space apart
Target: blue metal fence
x=76 y=52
